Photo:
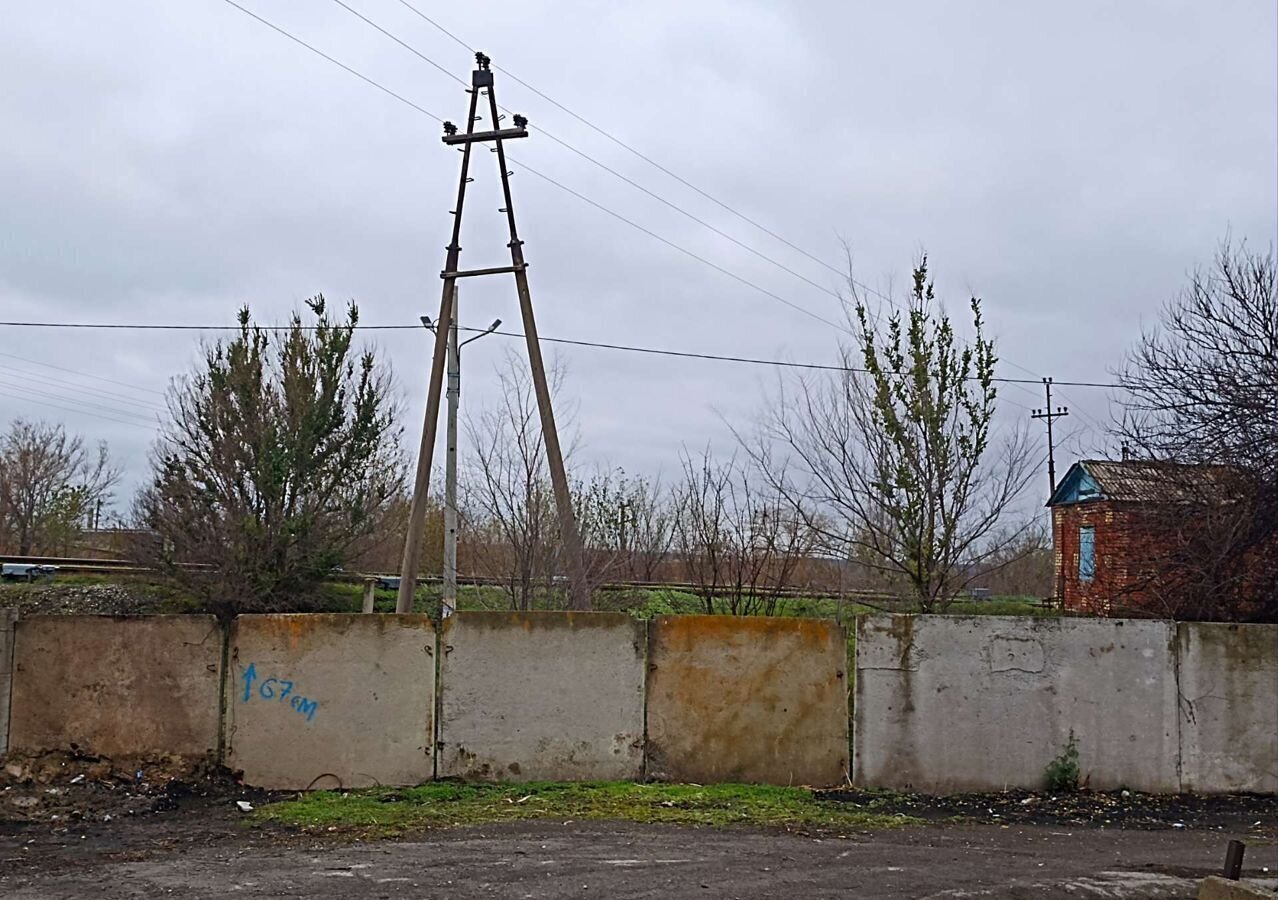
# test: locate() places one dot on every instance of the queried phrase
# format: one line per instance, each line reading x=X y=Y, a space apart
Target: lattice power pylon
x=482 y=83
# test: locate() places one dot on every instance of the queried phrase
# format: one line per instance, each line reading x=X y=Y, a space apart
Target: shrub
x=1062 y=773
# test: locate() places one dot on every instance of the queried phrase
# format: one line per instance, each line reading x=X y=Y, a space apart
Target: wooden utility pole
x=482 y=81
x=1050 y=415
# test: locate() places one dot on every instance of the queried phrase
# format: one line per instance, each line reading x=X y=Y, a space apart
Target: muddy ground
x=120 y=834
x=1255 y=813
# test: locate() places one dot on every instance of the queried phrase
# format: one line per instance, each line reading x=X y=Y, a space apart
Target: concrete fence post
x=8 y=621
x=370 y=588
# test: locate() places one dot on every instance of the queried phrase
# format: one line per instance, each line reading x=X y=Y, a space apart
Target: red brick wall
x=1135 y=566
x=1125 y=551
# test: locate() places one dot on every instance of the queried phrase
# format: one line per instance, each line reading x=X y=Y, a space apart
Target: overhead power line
x=58 y=401
x=531 y=170
x=600 y=345
x=84 y=412
x=602 y=131
x=600 y=206
x=586 y=156
x=95 y=377
x=341 y=65
x=91 y=393
x=605 y=133
x=620 y=143
x=593 y=203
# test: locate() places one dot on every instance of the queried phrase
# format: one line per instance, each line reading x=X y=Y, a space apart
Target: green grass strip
x=451 y=804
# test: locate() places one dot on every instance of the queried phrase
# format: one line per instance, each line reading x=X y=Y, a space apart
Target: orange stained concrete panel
x=752 y=699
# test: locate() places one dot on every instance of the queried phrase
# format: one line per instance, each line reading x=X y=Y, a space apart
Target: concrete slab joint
x=8 y=620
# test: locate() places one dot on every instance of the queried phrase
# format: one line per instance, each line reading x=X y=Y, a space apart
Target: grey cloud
x=1068 y=164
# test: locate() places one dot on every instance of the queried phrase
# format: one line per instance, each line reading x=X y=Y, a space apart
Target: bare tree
x=893 y=461
x=281 y=453
x=702 y=512
x=381 y=549
x=1024 y=567
x=647 y=530
x=741 y=546
x=625 y=524
x=49 y=483
x=1201 y=405
x=511 y=519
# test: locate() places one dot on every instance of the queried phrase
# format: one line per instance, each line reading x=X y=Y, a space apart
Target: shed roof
x=1136 y=481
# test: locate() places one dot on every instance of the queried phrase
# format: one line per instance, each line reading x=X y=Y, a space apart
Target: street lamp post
x=449 y=604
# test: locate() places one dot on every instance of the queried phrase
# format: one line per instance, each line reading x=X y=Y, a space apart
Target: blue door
x=1086 y=553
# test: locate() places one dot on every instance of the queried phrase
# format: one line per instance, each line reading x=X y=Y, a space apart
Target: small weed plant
x=1062 y=773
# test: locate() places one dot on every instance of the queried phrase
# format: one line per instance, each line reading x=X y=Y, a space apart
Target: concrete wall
x=943 y=703
x=542 y=696
x=948 y=704
x=747 y=699
x=1228 y=707
x=330 y=701
x=116 y=687
x=8 y=618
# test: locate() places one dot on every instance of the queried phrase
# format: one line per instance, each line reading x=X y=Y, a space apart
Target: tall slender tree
x=894 y=461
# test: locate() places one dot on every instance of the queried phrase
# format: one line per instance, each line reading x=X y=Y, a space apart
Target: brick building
x=1111 y=530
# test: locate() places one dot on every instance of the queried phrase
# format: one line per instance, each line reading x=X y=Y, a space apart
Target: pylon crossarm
x=495 y=270
x=505 y=134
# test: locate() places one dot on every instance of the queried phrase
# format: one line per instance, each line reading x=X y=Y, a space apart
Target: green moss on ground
x=452 y=804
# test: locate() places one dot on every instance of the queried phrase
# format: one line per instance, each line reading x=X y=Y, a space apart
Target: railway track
x=89 y=566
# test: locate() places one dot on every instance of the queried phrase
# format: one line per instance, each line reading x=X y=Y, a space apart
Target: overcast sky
x=168 y=162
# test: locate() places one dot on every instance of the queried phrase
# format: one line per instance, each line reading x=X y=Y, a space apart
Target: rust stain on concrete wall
x=749 y=699
x=117 y=686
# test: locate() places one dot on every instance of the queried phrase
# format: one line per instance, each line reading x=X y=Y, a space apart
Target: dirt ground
x=119 y=835
x=75 y=826
x=215 y=857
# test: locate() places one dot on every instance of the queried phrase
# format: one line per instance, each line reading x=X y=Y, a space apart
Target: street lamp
x=449 y=605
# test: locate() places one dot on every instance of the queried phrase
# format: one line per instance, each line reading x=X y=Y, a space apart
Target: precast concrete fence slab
x=116 y=686
x=331 y=701
x=541 y=696
x=747 y=699
x=1228 y=707
x=947 y=703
